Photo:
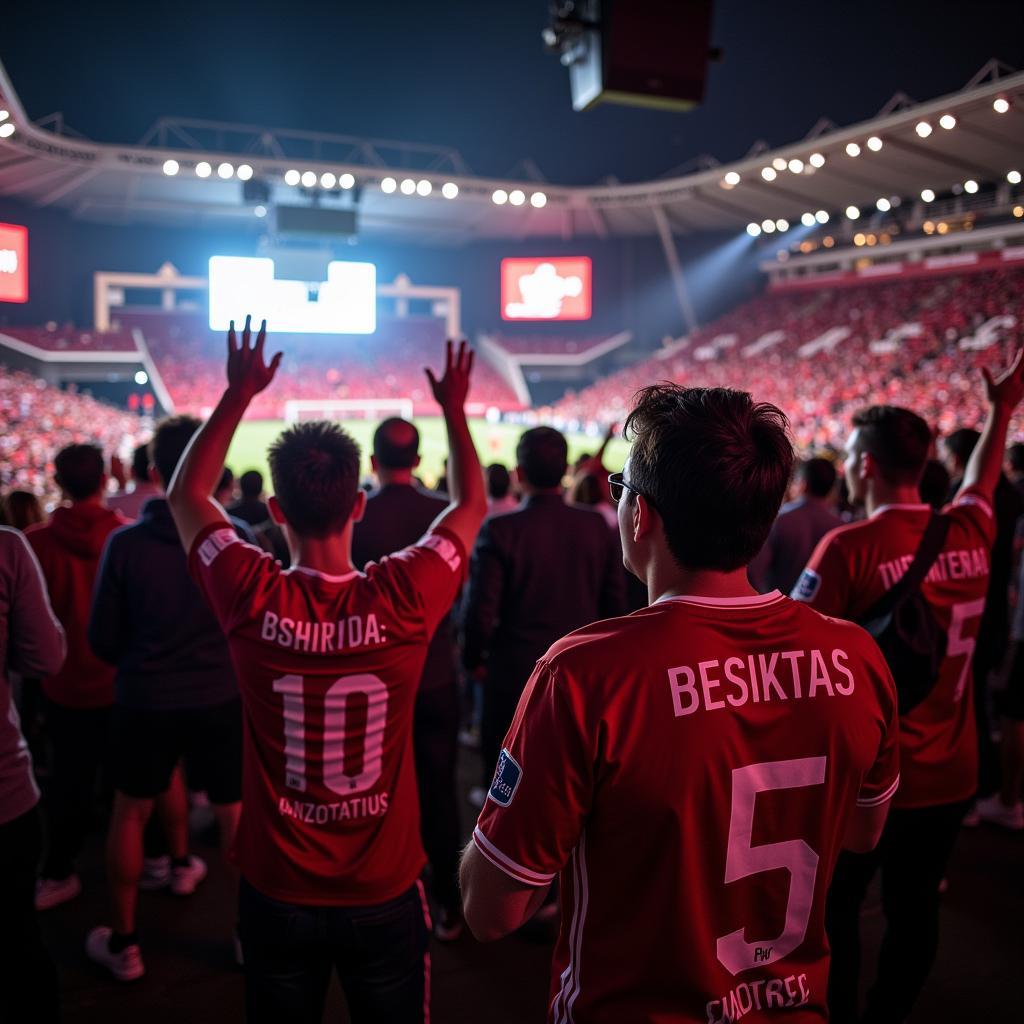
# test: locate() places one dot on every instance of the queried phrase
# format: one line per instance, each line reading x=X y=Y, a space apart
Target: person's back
x=250 y=506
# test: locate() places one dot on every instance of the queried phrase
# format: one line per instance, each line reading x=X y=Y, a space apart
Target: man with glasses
x=692 y=770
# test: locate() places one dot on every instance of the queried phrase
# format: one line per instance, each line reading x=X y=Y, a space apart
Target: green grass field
x=496 y=442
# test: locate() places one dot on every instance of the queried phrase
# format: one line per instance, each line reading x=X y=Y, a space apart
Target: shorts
x=146 y=746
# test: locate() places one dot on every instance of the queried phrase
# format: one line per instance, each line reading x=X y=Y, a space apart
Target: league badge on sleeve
x=506 y=779
x=807 y=586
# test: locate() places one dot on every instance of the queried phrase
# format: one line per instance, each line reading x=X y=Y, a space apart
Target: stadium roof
x=187 y=172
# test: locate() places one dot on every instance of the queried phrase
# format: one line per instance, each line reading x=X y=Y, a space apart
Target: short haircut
x=169 y=442
x=250 y=483
x=714 y=464
x=396 y=444
x=1015 y=457
x=80 y=470
x=819 y=475
x=227 y=478
x=961 y=443
x=315 y=470
x=499 y=481
x=543 y=456
x=934 y=484
x=20 y=509
x=140 y=463
x=897 y=439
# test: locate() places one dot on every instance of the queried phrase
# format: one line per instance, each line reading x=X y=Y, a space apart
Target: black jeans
x=81 y=758
x=912 y=855
x=28 y=977
x=380 y=953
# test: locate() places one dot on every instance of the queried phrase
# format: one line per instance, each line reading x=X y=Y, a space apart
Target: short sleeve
x=233 y=576
x=825 y=582
x=542 y=787
x=883 y=777
x=973 y=510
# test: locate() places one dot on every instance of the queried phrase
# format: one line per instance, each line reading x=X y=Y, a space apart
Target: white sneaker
x=995 y=812
x=185 y=880
x=52 y=892
x=125 y=966
x=476 y=796
x=156 y=873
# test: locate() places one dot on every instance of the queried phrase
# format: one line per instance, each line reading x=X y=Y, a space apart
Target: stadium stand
x=54 y=338
x=546 y=345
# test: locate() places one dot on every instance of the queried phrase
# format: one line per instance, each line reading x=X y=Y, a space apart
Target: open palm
x=248 y=372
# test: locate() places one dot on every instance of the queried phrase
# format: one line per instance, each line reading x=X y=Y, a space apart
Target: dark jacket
x=150 y=620
x=794 y=535
x=397 y=515
x=537 y=573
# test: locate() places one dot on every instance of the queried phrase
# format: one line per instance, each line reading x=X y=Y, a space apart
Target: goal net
x=302 y=410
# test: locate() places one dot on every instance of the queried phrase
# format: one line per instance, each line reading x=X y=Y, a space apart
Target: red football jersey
x=328 y=668
x=855 y=565
x=690 y=771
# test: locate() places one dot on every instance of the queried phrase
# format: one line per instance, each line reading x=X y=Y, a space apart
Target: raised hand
x=451 y=390
x=1007 y=390
x=248 y=372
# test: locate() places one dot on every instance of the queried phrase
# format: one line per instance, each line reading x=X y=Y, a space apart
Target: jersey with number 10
x=328 y=668
x=691 y=770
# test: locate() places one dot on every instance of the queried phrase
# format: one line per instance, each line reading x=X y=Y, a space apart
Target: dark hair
x=897 y=439
x=20 y=509
x=543 y=456
x=1015 y=457
x=170 y=439
x=140 y=463
x=396 y=444
x=714 y=464
x=499 y=481
x=587 y=490
x=819 y=475
x=315 y=470
x=250 y=483
x=227 y=478
x=79 y=470
x=961 y=443
x=934 y=484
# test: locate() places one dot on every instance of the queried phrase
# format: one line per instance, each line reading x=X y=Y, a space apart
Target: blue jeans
x=380 y=953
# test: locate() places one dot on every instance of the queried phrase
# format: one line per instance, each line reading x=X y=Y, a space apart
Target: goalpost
x=301 y=410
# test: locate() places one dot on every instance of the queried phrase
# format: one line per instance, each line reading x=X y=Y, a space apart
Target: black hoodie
x=150 y=620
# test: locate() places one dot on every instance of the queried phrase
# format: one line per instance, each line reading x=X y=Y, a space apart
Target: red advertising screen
x=13 y=263
x=557 y=288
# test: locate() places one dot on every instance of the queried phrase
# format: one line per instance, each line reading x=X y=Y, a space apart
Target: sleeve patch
x=445 y=548
x=807 y=586
x=507 y=777
x=215 y=544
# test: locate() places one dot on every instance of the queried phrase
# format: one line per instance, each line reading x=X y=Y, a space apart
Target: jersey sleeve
x=883 y=777
x=973 y=510
x=543 y=785
x=825 y=582
x=233 y=576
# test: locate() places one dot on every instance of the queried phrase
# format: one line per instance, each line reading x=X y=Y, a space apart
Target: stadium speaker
x=648 y=53
x=316 y=222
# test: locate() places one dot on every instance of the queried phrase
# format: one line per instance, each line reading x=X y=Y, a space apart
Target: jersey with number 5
x=328 y=668
x=853 y=566
x=691 y=770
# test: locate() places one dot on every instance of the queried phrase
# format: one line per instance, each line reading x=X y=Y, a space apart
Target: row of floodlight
x=7 y=128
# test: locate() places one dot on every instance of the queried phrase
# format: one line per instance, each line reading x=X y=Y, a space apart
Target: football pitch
x=496 y=442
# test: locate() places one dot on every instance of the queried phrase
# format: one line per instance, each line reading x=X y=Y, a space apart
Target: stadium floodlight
x=517 y=197
x=816 y=160
x=767 y=226
x=244 y=172
x=538 y=200
x=408 y=186
x=450 y=190
x=874 y=143
x=883 y=205
x=141 y=377
x=346 y=180
x=6 y=129
x=260 y=211
x=852 y=149
x=795 y=166
x=388 y=185
x=808 y=220
x=779 y=163
x=927 y=195
x=499 y=197
x=768 y=173
x=852 y=212
x=782 y=224
x=424 y=187
x=859 y=239
x=292 y=177
x=971 y=186
x=1000 y=104
x=1013 y=177
x=4 y=114
x=732 y=179
x=947 y=121
x=171 y=168
x=203 y=169
x=308 y=179
x=328 y=179
x=225 y=170
x=923 y=128
x=821 y=216
x=753 y=229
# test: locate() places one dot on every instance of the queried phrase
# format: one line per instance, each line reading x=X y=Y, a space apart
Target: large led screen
x=558 y=288
x=13 y=263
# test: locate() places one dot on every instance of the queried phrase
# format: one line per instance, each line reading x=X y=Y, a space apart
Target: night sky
x=475 y=76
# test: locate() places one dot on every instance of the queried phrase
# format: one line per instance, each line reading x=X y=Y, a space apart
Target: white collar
x=906 y=507
x=750 y=601
x=325 y=575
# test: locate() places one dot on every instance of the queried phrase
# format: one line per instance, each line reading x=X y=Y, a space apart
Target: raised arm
x=191 y=492
x=1003 y=394
x=465 y=477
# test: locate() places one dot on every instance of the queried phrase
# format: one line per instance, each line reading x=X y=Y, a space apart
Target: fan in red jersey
x=852 y=568
x=691 y=771
x=328 y=661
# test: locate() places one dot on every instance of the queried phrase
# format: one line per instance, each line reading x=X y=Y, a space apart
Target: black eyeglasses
x=617 y=484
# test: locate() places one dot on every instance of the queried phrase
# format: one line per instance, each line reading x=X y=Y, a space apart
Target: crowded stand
x=54 y=338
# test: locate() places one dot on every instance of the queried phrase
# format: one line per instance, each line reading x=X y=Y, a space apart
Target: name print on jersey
x=757 y=678
x=322 y=637
x=762 y=994
x=950 y=565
